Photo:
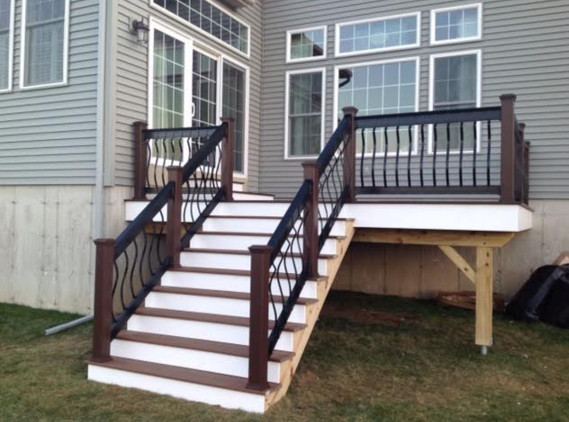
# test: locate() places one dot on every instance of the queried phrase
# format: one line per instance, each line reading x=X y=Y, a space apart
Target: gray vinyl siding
x=47 y=135
x=525 y=50
x=132 y=81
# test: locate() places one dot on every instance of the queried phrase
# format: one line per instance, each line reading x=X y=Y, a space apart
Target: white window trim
x=23 y=62
x=417 y=60
x=433 y=24
x=205 y=33
x=322 y=70
x=377 y=50
x=289 y=35
x=432 y=59
x=191 y=44
x=11 y=31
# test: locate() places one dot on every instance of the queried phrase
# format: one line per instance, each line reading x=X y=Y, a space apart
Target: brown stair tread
x=223 y=271
x=177 y=373
x=221 y=294
x=244 y=252
x=215 y=233
x=201 y=317
x=194 y=344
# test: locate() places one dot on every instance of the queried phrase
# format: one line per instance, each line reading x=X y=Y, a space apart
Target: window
x=304 y=126
x=6 y=42
x=210 y=19
x=306 y=44
x=455 y=84
x=381 y=88
x=234 y=105
x=45 y=39
x=456 y=24
x=378 y=35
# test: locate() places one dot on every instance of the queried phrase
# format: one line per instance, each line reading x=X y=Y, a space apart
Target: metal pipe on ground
x=68 y=325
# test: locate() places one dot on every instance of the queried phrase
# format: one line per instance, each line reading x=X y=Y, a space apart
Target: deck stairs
x=190 y=338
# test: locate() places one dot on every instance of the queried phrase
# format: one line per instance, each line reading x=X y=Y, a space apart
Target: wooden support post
x=103 y=300
x=140 y=161
x=484 y=296
x=310 y=237
x=228 y=158
x=174 y=223
x=350 y=155
x=507 y=186
x=259 y=317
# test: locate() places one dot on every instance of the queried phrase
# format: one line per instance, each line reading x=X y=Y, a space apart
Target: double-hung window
x=456 y=24
x=6 y=42
x=45 y=39
x=305 y=113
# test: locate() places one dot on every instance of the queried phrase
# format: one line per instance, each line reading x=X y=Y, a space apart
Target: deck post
x=103 y=308
x=228 y=157
x=508 y=151
x=350 y=155
x=524 y=160
x=484 y=297
x=174 y=223
x=140 y=159
x=310 y=237
x=259 y=317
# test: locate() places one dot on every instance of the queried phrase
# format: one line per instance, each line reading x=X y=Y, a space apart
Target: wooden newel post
x=174 y=224
x=508 y=178
x=228 y=158
x=310 y=238
x=104 y=274
x=259 y=317
x=140 y=158
x=350 y=155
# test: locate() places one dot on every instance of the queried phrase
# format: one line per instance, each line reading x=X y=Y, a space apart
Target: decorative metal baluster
x=397 y=156
x=435 y=140
x=386 y=141
x=489 y=152
x=421 y=166
x=447 y=162
x=475 y=131
x=373 y=157
x=410 y=134
x=362 y=158
x=461 y=156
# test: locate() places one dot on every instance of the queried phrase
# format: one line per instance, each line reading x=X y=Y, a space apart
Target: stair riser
x=228 y=399
x=265 y=209
x=242 y=243
x=193 y=359
x=237 y=262
x=260 y=225
x=225 y=283
x=219 y=306
x=201 y=330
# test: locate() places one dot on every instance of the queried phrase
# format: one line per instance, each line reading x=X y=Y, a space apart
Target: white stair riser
x=255 y=209
x=237 y=262
x=188 y=358
x=215 y=305
x=228 y=399
x=211 y=331
x=242 y=243
x=225 y=283
x=259 y=225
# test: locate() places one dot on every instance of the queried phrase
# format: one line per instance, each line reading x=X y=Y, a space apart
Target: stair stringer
x=312 y=315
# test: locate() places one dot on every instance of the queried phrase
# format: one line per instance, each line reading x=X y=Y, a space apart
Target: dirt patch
x=366 y=316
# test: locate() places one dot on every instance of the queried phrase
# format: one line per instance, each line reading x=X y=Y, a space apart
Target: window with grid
x=457 y=24
x=307 y=44
x=234 y=106
x=379 y=34
x=211 y=19
x=383 y=88
x=44 y=41
x=5 y=38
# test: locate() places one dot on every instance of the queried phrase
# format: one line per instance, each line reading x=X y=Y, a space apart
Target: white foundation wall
x=47 y=254
x=422 y=271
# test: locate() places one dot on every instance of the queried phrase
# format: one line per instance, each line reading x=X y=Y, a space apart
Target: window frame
x=433 y=24
x=335 y=114
x=291 y=32
x=432 y=58
x=23 y=46
x=11 y=31
x=290 y=73
x=166 y=12
x=338 y=27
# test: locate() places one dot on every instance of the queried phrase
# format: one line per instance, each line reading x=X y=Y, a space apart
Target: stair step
x=223 y=271
x=189 y=384
x=245 y=253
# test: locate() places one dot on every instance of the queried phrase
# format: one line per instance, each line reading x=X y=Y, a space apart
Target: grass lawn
x=370 y=359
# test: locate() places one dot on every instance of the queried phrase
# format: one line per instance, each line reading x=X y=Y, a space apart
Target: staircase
x=190 y=339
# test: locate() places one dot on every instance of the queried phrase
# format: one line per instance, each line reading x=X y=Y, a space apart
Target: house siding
x=525 y=50
x=48 y=135
x=132 y=82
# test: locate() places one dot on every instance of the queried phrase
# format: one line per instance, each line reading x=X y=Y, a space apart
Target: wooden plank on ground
x=459 y=261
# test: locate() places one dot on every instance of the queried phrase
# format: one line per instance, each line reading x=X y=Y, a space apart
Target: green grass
x=369 y=359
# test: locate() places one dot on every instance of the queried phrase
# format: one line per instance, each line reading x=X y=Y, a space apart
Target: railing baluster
x=461 y=156
x=385 y=149
x=435 y=139
x=362 y=158
x=373 y=157
x=447 y=162
x=475 y=132
x=488 y=154
x=397 y=157
x=409 y=152
x=421 y=167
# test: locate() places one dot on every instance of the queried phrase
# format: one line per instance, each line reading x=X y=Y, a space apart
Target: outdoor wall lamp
x=141 y=29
